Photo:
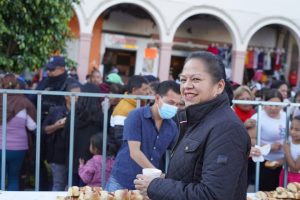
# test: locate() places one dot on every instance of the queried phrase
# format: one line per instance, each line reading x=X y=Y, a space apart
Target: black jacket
x=210 y=161
x=55 y=142
x=83 y=131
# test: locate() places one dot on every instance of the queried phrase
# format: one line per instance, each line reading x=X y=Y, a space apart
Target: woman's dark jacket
x=210 y=161
x=83 y=131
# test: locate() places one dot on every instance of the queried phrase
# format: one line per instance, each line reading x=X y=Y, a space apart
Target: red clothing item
x=243 y=115
x=213 y=49
x=250 y=60
x=293 y=78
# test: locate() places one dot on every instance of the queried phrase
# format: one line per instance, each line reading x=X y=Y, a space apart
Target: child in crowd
x=292 y=153
x=91 y=172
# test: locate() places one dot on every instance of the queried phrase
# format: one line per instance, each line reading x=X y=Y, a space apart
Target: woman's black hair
x=272 y=93
x=89 y=108
x=71 y=84
x=116 y=88
x=296 y=95
x=215 y=67
x=96 y=142
x=297 y=117
x=277 y=83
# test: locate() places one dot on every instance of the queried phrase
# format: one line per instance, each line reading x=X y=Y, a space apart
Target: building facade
x=154 y=36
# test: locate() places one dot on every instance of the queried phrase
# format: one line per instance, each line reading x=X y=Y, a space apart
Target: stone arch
x=289 y=24
x=209 y=10
x=146 y=5
x=79 y=15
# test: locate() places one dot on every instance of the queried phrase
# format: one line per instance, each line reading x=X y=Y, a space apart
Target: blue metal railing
x=106 y=97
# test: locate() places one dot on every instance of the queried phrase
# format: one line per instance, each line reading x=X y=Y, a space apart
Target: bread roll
x=122 y=195
x=136 y=195
x=261 y=195
x=73 y=191
x=292 y=187
x=103 y=195
x=280 y=190
x=271 y=164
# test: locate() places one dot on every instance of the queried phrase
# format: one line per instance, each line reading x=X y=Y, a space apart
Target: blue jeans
x=14 y=160
x=59 y=176
x=113 y=185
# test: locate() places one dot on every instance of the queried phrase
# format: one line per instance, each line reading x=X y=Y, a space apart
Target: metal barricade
x=72 y=119
x=260 y=105
x=106 y=97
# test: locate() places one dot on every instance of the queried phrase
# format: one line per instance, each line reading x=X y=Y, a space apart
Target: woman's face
x=246 y=97
x=96 y=78
x=273 y=111
x=295 y=130
x=283 y=89
x=197 y=85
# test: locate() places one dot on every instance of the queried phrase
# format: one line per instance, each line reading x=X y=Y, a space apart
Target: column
x=164 y=61
x=298 y=75
x=94 y=58
x=289 y=52
x=84 y=54
x=237 y=63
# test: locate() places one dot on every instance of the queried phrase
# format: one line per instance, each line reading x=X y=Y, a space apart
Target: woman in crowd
x=88 y=121
x=295 y=111
x=21 y=115
x=243 y=111
x=283 y=88
x=210 y=161
x=273 y=124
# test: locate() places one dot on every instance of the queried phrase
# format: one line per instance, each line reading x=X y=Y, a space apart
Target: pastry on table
x=271 y=164
x=136 y=195
x=73 y=191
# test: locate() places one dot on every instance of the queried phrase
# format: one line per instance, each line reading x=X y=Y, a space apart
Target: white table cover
x=31 y=195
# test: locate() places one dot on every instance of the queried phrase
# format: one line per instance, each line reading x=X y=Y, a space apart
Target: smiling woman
x=210 y=161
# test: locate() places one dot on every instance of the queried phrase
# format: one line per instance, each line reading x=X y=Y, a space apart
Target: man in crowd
x=148 y=132
x=55 y=142
x=137 y=85
x=56 y=80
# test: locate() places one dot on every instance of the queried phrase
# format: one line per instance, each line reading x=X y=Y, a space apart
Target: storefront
x=190 y=24
x=128 y=55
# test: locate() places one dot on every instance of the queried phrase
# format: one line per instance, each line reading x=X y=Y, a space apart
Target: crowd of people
x=209 y=138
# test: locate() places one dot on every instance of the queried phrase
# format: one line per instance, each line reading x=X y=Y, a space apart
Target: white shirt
x=295 y=150
x=272 y=131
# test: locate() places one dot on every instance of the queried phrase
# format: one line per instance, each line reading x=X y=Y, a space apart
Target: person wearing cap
x=114 y=78
x=56 y=80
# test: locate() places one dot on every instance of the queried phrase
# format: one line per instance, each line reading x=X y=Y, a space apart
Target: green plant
x=31 y=31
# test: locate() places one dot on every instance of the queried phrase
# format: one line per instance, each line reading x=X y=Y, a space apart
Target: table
x=32 y=195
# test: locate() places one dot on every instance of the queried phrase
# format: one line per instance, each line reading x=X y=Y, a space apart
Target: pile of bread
x=291 y=192
x=97 y=193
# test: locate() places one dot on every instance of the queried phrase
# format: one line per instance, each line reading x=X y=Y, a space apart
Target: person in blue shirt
x=148 y=132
